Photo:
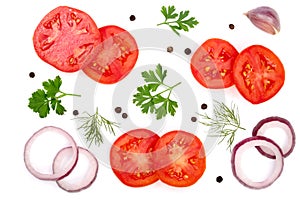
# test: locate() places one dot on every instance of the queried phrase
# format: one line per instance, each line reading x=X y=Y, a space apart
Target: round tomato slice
x=114 y=58
x=212 y=62
x=64 y=38
x=258 y=74
x=179 y=158
x=131 y=158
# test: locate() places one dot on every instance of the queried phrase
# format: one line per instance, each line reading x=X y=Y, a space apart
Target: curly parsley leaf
x=52 y=86
x=183 y=22
x=43 y=100
x=150 y=76
x=169 y=13
x=148 y=101
x=39 y=103
x=56 y=105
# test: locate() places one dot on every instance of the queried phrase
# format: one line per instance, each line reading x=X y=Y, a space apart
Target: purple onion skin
x=270 y=119
x=82 y=150
x=49 y=177
x=238 y=145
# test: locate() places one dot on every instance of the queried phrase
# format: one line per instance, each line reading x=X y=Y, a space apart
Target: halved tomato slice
x=114 y=58
x=258 y=74
x=131 y=158
x=180 y=158
x=212 y=63
x=64 y=38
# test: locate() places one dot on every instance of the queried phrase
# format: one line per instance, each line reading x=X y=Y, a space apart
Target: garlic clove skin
x=265 y=18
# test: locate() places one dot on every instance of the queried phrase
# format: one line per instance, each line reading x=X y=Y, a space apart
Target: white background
x=18 y=59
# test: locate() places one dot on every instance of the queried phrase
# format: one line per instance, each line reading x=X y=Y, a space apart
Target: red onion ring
x=252 y=142
x=58 y=173
x=85 y=180
x=279 y=122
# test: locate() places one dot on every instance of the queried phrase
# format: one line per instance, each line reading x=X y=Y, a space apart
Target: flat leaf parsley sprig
x=155 y=103
x=50 y=97
x=224 y=123
x=92 y=127
x=180 y=23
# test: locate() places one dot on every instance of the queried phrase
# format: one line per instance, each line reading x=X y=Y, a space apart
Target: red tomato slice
x=212 y=62
x=179 y=158
x=258 y=74
x=114 y=58
x=64 y=37
x=131 y=158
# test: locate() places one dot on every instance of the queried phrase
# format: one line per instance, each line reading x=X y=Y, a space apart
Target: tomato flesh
x=179 y=158
x=64 y=38
x=131 y=158
x=212 y=62
x=258 y=74
x=114 y=58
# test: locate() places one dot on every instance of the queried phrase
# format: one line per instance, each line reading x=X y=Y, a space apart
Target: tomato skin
x=258 y=74
x=114 y=58
x=131 y=158
x=64 y=38
x=180 y=158
x=212 y=63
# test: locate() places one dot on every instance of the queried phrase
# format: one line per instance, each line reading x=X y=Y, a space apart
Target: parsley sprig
x=180 y=23
x=92 y=127
x=50 y=97
x=224 y=123
x=155 y=103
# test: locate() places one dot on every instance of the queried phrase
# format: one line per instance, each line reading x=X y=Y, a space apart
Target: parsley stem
x=165 y=22
x=169 y=88
x=67 y=94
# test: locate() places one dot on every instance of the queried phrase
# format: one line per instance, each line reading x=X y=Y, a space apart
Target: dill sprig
x=224 y=123
x=92 y=127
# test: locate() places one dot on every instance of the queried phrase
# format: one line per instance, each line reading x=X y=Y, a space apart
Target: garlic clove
x=265 y=18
